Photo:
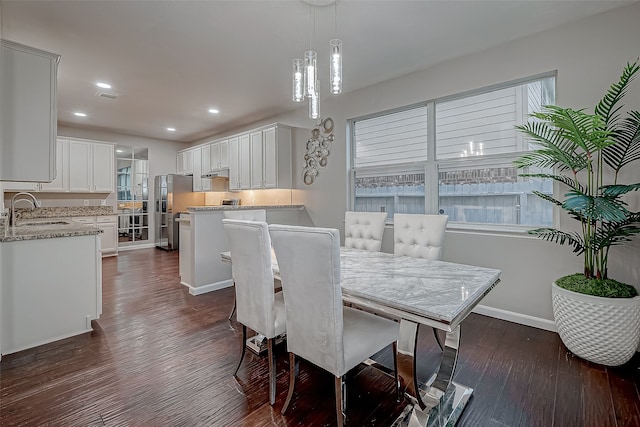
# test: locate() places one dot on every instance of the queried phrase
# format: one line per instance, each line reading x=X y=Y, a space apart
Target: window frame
x=432 y=164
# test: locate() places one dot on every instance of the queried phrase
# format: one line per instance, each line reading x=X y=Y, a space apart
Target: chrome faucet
x=33 y=202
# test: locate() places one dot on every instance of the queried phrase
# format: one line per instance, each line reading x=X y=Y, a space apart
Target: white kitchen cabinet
x=244 y=161
x=28 y=117
x=206 y=166
x=271 y=158
x=234 y=162
x=180 y=163
x=197 y=168
x=109 y=235
x=91 y=167
x=61 y=181
x=219 y=155
x=257 y=161
x=51 y=289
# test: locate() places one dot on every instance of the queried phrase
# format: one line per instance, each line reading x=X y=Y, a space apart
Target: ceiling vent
x=108 y=95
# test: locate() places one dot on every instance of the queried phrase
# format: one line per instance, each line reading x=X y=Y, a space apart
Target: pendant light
x=304 y=78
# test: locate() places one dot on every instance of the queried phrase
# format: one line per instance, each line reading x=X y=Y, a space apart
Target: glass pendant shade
x=298 y=80
x=335 y=66
x=314 y=104
x=310 y=73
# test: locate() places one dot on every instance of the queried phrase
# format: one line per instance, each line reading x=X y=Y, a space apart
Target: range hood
x=218 y=173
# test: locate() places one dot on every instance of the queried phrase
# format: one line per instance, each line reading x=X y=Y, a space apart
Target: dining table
x=416 y=292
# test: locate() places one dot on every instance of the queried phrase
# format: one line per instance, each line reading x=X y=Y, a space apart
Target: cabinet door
x=180 y=164
x=109 y=236
x=257 y=180
x=103 y=169
x=234 y=164
x=197 y=168
x=214 y=156
x=270 y=158
x=28 y=117
x=188 y=162
x=80 y=161
x=223 y=155
x=61 y=182
x=244 y=162
x=206 y=166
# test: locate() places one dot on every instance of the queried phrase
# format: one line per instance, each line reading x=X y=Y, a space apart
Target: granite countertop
x=192 y=209
x=48 y=223
x=46 y=228
x=62 y=212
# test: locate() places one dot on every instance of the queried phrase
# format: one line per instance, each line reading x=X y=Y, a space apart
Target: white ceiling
x=170 y=61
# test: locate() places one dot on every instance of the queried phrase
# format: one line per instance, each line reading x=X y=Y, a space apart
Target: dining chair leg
x=293 y=374
x=244 y=346
x=341 y=400
x=435 y=334
x=395 y=371
x=272 y=370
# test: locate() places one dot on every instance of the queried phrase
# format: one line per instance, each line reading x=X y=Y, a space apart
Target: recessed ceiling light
x=119 y=151
x=171 y=129
x=79 y=114
x=103 y=85
x=213 y=111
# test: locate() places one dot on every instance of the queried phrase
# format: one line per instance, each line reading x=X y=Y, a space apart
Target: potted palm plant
x=597 y=318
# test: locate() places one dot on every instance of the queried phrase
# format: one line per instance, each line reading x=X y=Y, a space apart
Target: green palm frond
x=615 y=233
x=627 y=148
x=596 y=208
x=548 y=198
x=560 y=237
x=618 y=190
x=608 y=107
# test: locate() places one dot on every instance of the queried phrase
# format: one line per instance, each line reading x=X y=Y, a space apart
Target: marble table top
x=437 y=293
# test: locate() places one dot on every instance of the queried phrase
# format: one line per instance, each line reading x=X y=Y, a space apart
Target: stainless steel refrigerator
x=172 y=194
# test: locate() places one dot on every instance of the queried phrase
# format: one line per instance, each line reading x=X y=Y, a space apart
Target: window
x=453 y=156
x=133 y=194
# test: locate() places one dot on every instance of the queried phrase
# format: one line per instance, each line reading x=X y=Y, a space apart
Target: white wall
x=588 y=55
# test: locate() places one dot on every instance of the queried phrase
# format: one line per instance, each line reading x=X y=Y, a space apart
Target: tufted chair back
x=419 y=236
x=247 y=214
x=364 y=230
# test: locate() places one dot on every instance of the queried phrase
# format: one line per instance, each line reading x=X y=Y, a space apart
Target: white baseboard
x=199 y=290
x=47 y=341
x=523 y=319
x=134 y=247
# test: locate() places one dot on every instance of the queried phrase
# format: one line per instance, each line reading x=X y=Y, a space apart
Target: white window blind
x=478 y=125
x=400 y=137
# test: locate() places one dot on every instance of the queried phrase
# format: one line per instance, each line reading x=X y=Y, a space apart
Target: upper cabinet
x=28 y=117
x=91 y=167
x=82 y=167
x=257 y=159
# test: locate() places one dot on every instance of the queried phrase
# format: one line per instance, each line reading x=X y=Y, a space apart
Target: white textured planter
x=600 y=330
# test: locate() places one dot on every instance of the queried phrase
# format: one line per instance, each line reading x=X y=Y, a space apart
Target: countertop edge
x=195 y=209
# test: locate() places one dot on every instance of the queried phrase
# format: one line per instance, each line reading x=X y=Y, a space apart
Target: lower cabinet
x=51 y=289
x=109 y=236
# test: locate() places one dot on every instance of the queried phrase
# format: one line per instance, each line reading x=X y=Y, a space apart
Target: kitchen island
x=202 y=239
x=50 y=282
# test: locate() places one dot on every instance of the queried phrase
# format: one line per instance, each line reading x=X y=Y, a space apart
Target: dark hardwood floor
x=161 y=357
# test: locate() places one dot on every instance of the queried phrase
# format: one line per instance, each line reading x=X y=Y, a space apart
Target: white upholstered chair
x=259 y=308
x=364 y=230
x=246 y=215
x=319 y=328
x=420 y=236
